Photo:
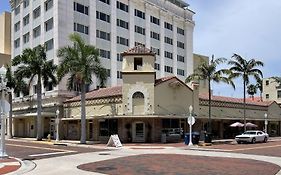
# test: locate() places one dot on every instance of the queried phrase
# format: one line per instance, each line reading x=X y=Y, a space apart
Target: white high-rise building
x=113 y=26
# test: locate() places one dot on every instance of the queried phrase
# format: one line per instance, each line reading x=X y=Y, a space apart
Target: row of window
x=48 y=44
x=48 y=4
x=81 y=28
x=278 y=95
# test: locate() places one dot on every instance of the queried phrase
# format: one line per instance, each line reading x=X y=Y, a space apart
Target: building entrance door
x=139 y=132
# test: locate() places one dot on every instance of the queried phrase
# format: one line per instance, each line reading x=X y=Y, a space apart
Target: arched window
x=138 y=95
x=138 y=103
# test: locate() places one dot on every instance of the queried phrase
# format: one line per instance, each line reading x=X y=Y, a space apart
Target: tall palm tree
x=259 y=86
x=19 y=86
x=245 y=69
x=208 y=71
x=252 y=90
x=33 y=64
x=80 y=61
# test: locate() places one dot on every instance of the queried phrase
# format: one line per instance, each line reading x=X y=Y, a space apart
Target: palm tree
x=245 y=69
x=33 y=64
x=252 y=90
x=80 y=61
x=19 y=86
x=259 y=86
x=208 y=71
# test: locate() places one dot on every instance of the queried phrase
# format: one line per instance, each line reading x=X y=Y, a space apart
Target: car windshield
x=250 y=132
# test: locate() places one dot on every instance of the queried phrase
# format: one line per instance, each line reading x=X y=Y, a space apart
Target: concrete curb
x=26 y=166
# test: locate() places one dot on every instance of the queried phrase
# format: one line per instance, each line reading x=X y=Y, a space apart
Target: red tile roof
x=100 y=93
x=235 y=100
x=138 y=50
x=115 y=91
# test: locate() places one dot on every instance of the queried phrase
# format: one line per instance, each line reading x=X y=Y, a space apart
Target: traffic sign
x=191 y=120
x=6 y=106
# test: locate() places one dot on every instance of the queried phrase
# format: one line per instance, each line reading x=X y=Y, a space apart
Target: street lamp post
x=265 y=122
x=57 y=125
x=190 y=125
x=3 y=87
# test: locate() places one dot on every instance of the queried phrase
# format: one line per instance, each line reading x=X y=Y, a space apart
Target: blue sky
x=251 y=28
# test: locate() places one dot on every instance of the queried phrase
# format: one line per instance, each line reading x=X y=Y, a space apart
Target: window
x=81 y=8
x=104 y=53
x=168 y=26
x=81 y=28
x=17 y=10
x=103 y=17
x=108 y=127
x=168 y=69
x=17 y=26
x=25 y=3
x=137 y=63
x=180 y=58
x=49 y=44
x=139 y=44
x=156 y=66
x=34 y=89
x=103 y=35
x=180 y=44
x=119 y=57
x=170 y=123
x=168 y=40
x=37 y=32
x=119 y=74
x=155 y=50
x=122 y=6
x=140 y=30
x=267 y=96
x=155 y=35
x=48 y=4
x=108 y=72
x=154 y=20
x=105 y=1
x=26 y=38
x=168 y=55
x=123 y=41
x=122 y=23
x=36 y=12
x=49 y=24
x=180 y=72
x=278 y=94
x=139 y=14
x=180 y=31
x=49 y=86
x=267 y=82
x=17 y=43
x=26 y=20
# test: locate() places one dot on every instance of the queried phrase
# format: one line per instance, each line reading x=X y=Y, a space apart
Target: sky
x=250 y=28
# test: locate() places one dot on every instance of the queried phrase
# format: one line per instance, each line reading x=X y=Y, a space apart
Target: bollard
x=49 y=137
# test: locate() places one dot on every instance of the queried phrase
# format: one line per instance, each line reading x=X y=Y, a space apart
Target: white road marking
x=46 y=154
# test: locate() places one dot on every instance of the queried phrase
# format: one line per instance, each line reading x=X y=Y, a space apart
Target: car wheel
x=265 y=139
x=254 y=140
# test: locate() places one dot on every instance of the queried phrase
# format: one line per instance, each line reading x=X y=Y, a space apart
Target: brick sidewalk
x=169 y=164
x=9 y=165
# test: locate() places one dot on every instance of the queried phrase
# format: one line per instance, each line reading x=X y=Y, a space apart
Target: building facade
x=165 y=26
x=5 y=38
x=271 y=90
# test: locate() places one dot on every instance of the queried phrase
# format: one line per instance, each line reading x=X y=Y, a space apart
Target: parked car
x=252 y=136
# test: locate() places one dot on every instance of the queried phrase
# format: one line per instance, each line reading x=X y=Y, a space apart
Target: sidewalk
x=9 y=165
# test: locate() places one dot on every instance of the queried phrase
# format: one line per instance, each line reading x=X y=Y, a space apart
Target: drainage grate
x=104 y=154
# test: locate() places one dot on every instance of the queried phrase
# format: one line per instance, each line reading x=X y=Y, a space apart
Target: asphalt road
x=34 y=150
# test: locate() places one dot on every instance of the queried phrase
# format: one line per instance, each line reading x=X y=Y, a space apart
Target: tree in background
x=245 y=69
x=80 y=61
x=208 y=71
x=252 y=90
x=33 y=65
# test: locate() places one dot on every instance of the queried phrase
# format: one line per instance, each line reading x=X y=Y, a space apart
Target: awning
x=43 y=114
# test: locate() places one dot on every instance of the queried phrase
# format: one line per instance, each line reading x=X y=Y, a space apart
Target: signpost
x=114 y=141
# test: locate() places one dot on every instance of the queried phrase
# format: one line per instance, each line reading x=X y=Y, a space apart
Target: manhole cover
x=106 y=168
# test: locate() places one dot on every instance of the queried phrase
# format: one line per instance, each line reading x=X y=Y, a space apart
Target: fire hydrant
x=49 y=137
